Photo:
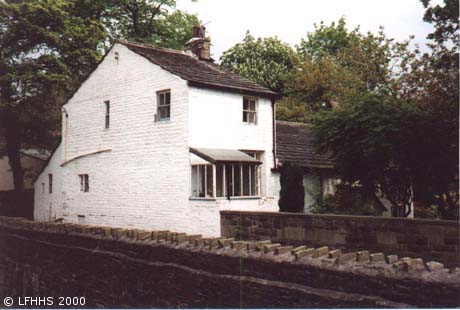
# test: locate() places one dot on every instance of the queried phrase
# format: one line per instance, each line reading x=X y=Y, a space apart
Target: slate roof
x=294 y=143
x=197 y=72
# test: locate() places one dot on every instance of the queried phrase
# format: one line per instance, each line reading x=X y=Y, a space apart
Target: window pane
x=245 y=117
x=164 y=112
x=220 y=181
x=245 y=104
x=209 y=181
x=168 y=98
x=86 y=183
x=252 y=105
x=201 y=176
x=246 y=181
x=168 y=111
x=229 y=180
x=237 y=180
x=194 y=177
x=254 y=191
x=252 y=118
x=161 y=99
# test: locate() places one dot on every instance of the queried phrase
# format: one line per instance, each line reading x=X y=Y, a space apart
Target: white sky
x=290 y=20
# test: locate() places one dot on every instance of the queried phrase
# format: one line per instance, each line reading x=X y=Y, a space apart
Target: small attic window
x=117 y=56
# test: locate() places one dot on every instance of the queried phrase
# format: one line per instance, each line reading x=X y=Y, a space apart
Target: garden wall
x=428 y=239
x=113 y=267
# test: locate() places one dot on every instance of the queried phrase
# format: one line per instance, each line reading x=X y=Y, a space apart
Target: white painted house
x=162 y=139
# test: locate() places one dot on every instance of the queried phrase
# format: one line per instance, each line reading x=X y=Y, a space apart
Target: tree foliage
x=292 y=192
x=267 y=61
x=339 y=65
x=49 y=46
x=148 y=21
x=376 y=143
x=46 y=47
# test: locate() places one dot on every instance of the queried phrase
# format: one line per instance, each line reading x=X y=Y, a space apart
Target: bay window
x=225 y=173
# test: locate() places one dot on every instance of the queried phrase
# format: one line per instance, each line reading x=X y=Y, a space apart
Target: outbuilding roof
x=197 y=72
x=295 y=144
x=223 y=156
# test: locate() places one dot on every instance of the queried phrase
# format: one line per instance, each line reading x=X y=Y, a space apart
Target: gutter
x=274 y=131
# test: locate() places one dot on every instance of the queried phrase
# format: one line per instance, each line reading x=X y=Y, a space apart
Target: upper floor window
x=163 y=105
x=107 y=114
x=50 y=183
x=84 y=183
x=250 y=110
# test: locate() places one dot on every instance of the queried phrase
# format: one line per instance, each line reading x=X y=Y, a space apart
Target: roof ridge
x=153 y=47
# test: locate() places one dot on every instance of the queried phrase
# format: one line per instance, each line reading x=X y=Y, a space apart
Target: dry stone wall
x=113 y=267
x=427 y=239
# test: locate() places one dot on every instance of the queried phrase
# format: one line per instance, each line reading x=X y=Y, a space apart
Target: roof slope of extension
x=197 y=72
x=294 y=144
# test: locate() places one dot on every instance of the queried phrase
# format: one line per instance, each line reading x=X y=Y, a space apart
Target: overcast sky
x=290 y=20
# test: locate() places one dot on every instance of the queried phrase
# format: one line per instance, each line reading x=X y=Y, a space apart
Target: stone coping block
x=238 y=245
x=434 y=266
x=283 y=250
x=390 y=259
x=377 y=257
x=225 y=242
x=271 y=247
x=346 y=258
x=335 y=253
x=322 y=251
x=362 y=256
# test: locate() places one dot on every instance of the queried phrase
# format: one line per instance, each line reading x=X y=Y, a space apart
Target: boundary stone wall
x=113 y=267
x=427 y=239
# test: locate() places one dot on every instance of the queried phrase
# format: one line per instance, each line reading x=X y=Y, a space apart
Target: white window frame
x=84 y=183
x=163 y=105
x=248 y=111
x=107 y=114
x=199 y=178
x=50 y=183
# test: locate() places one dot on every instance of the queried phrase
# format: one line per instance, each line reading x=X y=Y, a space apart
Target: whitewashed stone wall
x=143 y=180
x=49 y=206
x=216 y=121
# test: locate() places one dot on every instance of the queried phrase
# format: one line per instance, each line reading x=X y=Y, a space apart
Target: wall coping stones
x=356 y=262
x=362 y=256
x=377 y=257
x=341 y=217
x=322 y=251
x=390 y=259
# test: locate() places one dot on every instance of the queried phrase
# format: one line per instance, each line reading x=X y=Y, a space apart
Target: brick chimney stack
x=199 y=45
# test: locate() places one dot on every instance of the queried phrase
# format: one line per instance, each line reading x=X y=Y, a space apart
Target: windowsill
x=203 y=198
x=226 y=198
x=163 y=120
x=241 y=198
x=250 y=124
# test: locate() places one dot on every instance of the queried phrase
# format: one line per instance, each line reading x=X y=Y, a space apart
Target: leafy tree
x=49 y=46
x=328 y=40
x=445 y=20
x=267 y=61
x=292 y=192
x=376 y=144
x=46 y=46
x=434 y=85
x=148 y=21
x=340 y=64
